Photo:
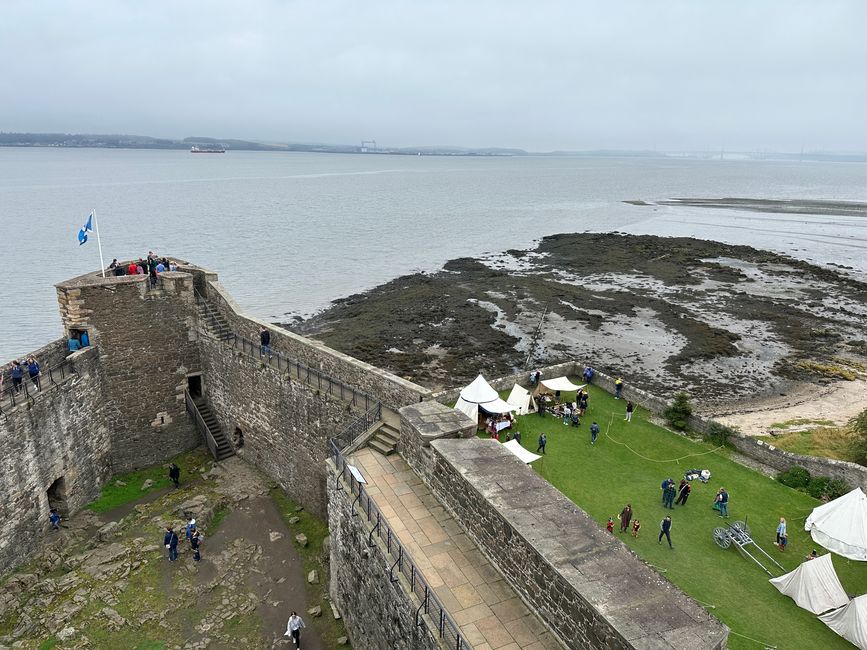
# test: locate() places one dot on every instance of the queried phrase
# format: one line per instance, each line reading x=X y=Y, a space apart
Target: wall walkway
x=485 y=607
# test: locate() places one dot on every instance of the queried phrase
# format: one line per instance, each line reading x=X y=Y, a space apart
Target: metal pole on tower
x=98 y=243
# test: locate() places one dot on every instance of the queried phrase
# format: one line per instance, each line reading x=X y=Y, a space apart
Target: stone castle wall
x=61 y=434
x=147 y=343
x=286 y=424
x=393 y=391
x=379 y=614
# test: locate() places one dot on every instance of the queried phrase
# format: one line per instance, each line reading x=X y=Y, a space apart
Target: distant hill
x=123 y=141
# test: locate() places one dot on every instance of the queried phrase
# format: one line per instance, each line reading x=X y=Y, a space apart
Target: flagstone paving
x=487 y=610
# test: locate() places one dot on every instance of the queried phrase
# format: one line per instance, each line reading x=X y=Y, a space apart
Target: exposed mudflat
x=723 y=322
x=779 y=206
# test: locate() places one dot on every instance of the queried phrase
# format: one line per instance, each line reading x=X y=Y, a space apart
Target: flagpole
x=98 y=242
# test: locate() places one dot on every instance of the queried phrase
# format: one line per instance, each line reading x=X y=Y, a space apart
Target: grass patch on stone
x=802 y=422
x=832 y=370
x=627 y=465
x=822 y=441
x=219 y=514
x=49 y=643
x=114 y=495
x=316 y=532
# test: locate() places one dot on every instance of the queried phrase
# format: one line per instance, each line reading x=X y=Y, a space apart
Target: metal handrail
x=193 y=410
x=12 y=397
x=292 y=367
x=358 y=426
x=439 y=620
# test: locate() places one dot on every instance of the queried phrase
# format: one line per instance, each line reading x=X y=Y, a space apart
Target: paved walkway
x=489 y=613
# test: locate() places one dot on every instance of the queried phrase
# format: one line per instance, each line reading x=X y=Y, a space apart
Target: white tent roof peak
x=479 y=392
x=814 y=585
x=841 y=525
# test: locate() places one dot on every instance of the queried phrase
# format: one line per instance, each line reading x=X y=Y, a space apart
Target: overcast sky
x=532 y=74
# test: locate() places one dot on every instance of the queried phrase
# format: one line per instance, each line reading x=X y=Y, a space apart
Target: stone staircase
x=224 y=447
x=213 y=321
x=385 y=439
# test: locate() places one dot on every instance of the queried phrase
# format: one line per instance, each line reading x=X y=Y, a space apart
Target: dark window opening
x=57 y=497
x=194 y=385
x=78 y=339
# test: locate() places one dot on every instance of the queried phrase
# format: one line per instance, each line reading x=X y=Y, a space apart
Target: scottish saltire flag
x=82 y=234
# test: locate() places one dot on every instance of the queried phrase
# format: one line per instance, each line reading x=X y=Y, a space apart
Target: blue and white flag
x=82 y=234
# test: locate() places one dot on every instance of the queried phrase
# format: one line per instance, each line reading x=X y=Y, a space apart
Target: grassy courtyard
x=627 y=465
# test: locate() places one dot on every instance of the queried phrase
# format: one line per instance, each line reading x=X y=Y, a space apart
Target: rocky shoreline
x=723 y=322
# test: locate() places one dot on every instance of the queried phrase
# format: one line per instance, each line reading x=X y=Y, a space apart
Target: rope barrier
x=749 y=638
x=653 y=460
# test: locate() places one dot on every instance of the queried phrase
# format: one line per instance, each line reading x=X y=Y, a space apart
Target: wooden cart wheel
x=721 y=537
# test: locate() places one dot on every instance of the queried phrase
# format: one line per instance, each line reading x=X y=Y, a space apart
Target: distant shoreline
x=123 y=141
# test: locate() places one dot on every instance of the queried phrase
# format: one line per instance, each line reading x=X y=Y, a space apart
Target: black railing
x=193 y=410
x=291 y=367
x=358 y=426
x=11 y=395
x=439 y=620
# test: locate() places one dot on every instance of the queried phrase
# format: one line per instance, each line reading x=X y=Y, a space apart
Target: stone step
x=388 y=437
x=383 y=449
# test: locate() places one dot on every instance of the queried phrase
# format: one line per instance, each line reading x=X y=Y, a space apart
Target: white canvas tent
x=850 y=621
x=841 y=525
x=479 y=394
x=523 y=455
x=560 y=383
x=814 y=585
x=521 y=401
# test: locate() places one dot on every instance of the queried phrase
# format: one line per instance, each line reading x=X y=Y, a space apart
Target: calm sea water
x=288 y=233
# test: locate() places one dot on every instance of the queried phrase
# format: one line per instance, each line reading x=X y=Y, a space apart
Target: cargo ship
x=195 y=149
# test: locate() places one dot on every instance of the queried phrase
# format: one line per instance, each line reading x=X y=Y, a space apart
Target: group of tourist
x=17 y=371
x=628 y=524
x=152 y=266
x=669 y=492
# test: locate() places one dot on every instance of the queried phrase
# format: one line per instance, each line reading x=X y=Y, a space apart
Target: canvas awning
x=520 y=399
x=841 y=525
x=523 y=455
x=498 y=407
x=814 y=585
x=560 y=383
x=471 y=409
x=850 y=621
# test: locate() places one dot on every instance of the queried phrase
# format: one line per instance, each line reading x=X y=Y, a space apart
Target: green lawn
x=114 y=495
x=603 y=477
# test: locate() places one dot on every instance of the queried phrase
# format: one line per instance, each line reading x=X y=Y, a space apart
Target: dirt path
x=278 y=576
x=836 y=403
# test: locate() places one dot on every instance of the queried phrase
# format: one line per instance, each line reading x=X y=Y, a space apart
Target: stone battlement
x=124 y=408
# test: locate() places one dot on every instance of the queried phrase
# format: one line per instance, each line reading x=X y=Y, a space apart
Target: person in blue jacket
x=17 y=375
x=171 y=542
x=33 y=370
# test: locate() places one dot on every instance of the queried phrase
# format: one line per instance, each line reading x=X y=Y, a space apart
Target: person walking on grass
x=175 y=475
x=723 y=503
x=781 y=532
x=293 y=628
x=625 y=518
x=665 y=529
x=543 y=440
x=669 y=494
x=594 y=433
x=685 y=489
x=265 y=341
x=630 y=407
x=171 y=541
